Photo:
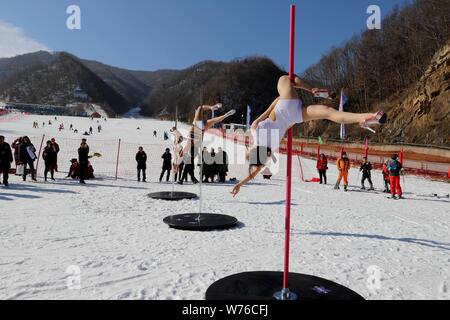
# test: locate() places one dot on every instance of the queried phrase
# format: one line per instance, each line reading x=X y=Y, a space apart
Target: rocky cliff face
x=422 y=113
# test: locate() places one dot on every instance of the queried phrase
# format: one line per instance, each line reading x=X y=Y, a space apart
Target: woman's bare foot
x=216 y=107
x=378 y=118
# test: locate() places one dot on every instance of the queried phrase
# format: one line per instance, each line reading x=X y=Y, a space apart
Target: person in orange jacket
x=322 y=167
x=343 y=165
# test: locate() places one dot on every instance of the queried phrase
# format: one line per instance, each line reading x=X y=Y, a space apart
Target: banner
x=342 y=105
x=249 y=116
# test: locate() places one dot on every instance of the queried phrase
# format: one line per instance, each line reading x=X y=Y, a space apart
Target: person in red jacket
x=386 y=178
x=322 y=167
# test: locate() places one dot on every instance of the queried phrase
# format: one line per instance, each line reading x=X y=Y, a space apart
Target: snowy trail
x=115 y=234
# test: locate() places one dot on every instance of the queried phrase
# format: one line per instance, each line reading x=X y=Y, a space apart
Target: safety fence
x=117 y=157
x=415 y=163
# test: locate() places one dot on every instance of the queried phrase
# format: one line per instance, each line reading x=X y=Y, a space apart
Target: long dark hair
x=258 y=157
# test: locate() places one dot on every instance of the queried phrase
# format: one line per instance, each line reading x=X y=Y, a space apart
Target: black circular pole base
x=201 y=222
x=265 y=285
x=172 y=196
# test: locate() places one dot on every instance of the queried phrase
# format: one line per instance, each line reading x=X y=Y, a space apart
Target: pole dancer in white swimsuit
x=199 y=126
x=285 y=112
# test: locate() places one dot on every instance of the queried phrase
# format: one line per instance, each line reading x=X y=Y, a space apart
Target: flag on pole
x=249 y=116
x=366 y=147
x=342 y=105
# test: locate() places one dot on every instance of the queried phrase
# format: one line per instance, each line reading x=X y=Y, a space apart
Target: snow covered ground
x=114 y=236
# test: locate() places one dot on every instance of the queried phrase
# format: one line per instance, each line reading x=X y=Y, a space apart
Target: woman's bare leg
x=211 y=122
x=321 y=112
x=285 y=89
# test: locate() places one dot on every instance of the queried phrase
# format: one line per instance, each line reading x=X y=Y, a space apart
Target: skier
x=386 y=178
x=49 y=156
x=343 y=165
x=141 y=159
x=90 y=130
x=71 y=127
x=155 y=134
x=83 y=160
x=366 y=169
x=6 y=158
x=394 y=167
x=167 y=165
x=286 y=111
x=322 y=167
x=27 y=157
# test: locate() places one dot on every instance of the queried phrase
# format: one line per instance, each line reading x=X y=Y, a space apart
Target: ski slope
x=114 y=236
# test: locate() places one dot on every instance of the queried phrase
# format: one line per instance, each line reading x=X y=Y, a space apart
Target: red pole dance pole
x=286 y=295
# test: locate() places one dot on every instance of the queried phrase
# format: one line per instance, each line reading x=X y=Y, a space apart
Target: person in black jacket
x=167 y=165
x=27 y=157
x=83 y=160
x=49 y=156
x=56 y=149
x=207 y=165
x=222 y=165
x=366 y=169
x=6 y=158
x=141 y=159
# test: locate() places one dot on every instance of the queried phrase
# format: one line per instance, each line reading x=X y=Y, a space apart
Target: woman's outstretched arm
x=265 y=115
x=249 y=178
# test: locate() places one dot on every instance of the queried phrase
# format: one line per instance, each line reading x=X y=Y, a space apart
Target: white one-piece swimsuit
x=270 y=133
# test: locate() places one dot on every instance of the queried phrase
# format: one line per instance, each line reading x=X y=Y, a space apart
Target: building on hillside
x=80 y=94
x=165 y=115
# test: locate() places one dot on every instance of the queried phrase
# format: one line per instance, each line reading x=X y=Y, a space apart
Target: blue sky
x=174 y=34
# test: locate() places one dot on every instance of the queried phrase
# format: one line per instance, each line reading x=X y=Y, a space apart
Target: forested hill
x=236 y=84
x=403 y=68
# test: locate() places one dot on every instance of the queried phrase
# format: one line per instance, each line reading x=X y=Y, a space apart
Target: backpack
x=393 y=166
